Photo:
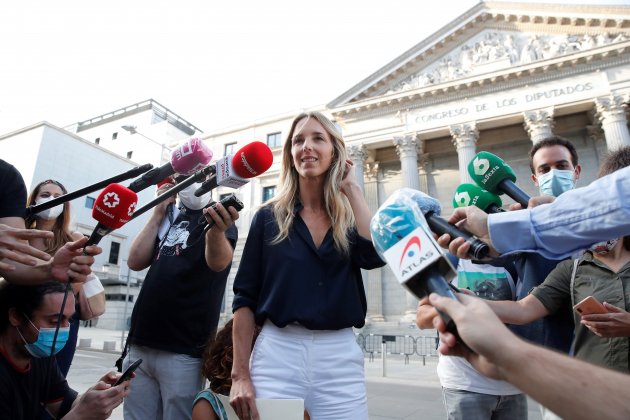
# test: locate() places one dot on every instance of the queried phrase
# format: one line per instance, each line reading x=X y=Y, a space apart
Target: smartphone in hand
x=590 y=305
x=128 y=372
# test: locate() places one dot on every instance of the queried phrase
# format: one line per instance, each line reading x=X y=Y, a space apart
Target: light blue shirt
x=573 y=222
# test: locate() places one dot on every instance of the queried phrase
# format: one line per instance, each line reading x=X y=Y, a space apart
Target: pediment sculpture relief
x=492 y=51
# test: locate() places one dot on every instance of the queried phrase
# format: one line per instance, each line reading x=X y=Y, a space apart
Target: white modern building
x=91 y=151
x=499 y=78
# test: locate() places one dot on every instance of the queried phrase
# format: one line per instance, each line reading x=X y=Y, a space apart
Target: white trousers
x=324 y=368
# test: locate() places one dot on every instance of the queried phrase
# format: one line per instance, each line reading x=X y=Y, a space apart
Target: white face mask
x=50 y=214
x=188 y=199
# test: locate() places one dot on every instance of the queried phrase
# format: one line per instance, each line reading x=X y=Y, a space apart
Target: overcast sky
x=215 y=63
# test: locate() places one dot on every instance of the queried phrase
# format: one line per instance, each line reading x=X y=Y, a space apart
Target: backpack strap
x=576 y=262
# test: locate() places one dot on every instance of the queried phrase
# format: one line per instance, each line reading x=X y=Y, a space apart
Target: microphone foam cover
x=252 y=160
x=474 y=195
x=488 y=170
x=425 y=202
x=190 y=156
x=397 y=217
x=114 y=206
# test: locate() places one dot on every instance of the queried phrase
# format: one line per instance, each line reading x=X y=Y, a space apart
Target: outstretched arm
x=571 y=388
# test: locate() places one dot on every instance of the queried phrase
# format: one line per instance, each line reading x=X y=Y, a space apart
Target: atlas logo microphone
x=401 y=236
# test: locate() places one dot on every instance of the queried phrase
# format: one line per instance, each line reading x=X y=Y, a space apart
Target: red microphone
x=186 y=159
x=235 y=170
x=112 y=209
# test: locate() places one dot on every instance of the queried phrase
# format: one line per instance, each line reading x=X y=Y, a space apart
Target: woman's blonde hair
x=336 y=203
x=61 y=228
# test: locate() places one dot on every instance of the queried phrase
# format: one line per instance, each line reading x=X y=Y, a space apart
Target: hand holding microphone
x=431 y=209
x=473 y=220
x=491 y=173
x=400 y=235
x=112 y=209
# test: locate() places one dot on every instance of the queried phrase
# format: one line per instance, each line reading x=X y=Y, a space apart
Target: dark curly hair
x=217 y=359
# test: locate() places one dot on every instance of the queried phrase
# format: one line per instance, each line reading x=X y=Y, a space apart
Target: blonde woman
x=300 y=278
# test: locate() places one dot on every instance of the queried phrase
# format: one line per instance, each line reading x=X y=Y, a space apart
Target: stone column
x=465 y=138
x=611 y=111
x=539 y=124
x=358 y=154
x=374 y=278
x=407 y=149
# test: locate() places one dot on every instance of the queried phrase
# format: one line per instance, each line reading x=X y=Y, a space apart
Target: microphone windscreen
x=114 y=206
x=474 y=195
x=252 y=160
x=424 y=201
x=397 y=217
x=488 y=170
x=190 y=156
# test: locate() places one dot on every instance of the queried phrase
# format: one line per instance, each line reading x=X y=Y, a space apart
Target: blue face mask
x=556 y=182
x=43 y=345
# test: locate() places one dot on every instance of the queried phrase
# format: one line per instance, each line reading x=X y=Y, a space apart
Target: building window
x=97 y=140
x=114 y=136
x=229 y=149
x=89 y=202
x=114 y=250
x=274 y=140
x=129 y=153
x=268 y=193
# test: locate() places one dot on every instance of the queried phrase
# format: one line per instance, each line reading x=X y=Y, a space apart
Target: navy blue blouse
x=293 y=281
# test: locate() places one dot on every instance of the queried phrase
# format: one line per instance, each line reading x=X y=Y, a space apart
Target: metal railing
x=402 y=345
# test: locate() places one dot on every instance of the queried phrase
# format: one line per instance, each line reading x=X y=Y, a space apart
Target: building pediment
x=493 y=38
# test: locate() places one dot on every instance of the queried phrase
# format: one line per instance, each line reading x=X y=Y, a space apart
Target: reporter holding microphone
x=180 y=300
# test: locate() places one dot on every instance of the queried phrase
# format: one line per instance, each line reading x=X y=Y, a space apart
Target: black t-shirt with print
x=180 y=300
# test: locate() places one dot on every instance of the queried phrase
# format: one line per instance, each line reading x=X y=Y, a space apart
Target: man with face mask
x=554 y=165
x=30 y=381
x=555 y=170
x=180 y=301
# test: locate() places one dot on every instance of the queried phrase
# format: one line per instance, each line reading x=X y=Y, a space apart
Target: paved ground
x=408 y=391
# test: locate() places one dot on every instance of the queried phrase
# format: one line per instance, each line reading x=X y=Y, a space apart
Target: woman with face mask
x=57 y=220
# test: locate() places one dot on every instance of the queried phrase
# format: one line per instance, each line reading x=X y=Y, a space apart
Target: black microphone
x=132 y=173
x=198 y=176
x=431 y=210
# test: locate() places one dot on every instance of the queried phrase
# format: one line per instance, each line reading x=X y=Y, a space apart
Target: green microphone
x=474 y=195
x=491 y=173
